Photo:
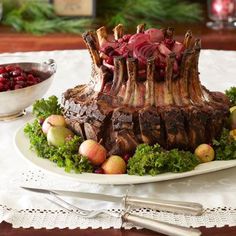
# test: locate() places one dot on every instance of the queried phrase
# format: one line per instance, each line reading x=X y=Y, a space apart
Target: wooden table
x=11 y=41
x=14 y=42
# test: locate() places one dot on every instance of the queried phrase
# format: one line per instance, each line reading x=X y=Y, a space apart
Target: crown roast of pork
x=144 y=88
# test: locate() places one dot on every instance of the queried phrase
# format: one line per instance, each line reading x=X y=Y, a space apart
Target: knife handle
x=159 y=226
x=188 y=208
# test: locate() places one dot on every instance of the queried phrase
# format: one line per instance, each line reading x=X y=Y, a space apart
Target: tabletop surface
x=222 y=40
x=24 y=42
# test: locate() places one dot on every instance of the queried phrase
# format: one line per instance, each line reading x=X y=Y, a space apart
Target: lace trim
x=39 y=218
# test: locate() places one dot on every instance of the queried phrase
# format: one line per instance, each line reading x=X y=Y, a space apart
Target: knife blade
x=188 y=208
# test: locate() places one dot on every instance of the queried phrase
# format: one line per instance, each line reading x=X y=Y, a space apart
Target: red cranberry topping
x=16 y=72
x=13 y=77
x=5 y=75
x=2 y=87
x=2 y=69
x=3 y=80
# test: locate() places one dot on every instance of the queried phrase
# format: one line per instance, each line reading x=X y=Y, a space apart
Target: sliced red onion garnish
x=155 y=35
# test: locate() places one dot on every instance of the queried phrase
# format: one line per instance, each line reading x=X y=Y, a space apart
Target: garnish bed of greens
x=64 y=156
x=225 y=146
x=147 y=160
x=153 y=160
x=231 y=93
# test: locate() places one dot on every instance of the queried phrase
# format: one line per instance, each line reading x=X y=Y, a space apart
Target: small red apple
x=53 y=120
x=205 y=153
x=114 y=165
x=94 y=151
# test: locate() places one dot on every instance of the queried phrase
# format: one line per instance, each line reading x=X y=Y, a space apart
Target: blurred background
x=33 y=25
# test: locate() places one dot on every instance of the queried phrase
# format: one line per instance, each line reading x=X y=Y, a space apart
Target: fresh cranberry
x=30 y=83
x=99 y=171
x=7 y=86
x=19 y=78
x=11 y=68
x=13 y=77
x=20 y=82
x=41 y=120
x=3 y=80
x=2 y=69
x=15 y=73
x=126 y=158
x=2 y=87
x=17 y=86
x=4 y=75
x=38 y=79
x=30 y=77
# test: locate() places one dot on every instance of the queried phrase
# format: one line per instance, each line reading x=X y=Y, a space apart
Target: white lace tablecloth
x=216 y=191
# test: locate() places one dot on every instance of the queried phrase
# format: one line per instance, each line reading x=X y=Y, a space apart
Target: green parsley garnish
x=231 y=93
x=153 y=160
x=64 y=156
x=225 y=147
x=44 y=108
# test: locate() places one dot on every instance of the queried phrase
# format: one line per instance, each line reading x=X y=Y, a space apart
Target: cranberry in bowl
x=21 y=84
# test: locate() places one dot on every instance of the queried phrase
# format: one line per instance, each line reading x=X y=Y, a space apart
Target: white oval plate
x=23 y=146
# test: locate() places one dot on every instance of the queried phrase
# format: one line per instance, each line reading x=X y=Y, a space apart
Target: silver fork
x=126 y=216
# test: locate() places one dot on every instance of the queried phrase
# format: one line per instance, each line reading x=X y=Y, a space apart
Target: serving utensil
x=126 y=216
x=188 y=208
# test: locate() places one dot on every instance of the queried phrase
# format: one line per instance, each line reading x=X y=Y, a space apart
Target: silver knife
x=128 y=217
x=188 y=208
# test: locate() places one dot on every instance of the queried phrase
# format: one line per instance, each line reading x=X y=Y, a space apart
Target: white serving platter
x=22 y=144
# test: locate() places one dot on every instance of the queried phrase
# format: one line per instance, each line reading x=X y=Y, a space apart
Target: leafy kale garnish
x=231 y=93
x=153 y=160
x=43 y=108
x=225 y=147
x=64 y=156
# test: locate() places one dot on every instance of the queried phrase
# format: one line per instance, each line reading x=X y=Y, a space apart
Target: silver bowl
x=14 y=102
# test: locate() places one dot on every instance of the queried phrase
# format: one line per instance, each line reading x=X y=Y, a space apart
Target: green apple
x=58 y=135
x=53 y=120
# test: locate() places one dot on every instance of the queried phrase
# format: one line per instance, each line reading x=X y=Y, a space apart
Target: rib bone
x=102 y=35
x=132 y=65
x=169 y=33
x=188 y=39
x=149 y=98
x=197 y=92
x=118 y=31
x=141 y=28
x=185 y=75
x=119 y=72
x=91 y=44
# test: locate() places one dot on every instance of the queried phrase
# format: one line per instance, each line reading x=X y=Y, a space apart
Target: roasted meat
x=144 y=88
